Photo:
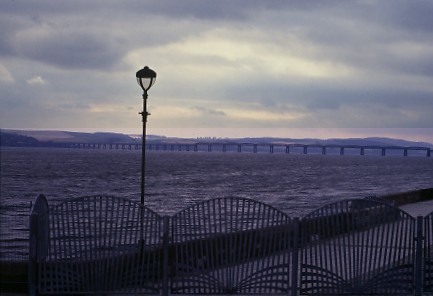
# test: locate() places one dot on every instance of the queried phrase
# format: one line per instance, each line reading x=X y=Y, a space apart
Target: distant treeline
x=11 y=139
x=17 y=140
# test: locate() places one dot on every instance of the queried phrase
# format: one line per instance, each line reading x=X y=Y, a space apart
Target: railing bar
x=369 y=244
x=293 y=255
x=207 y=230
x=387 y=250
x=81 y=240
x=249 y=268
x=321 y=255
x=97 y=234
x=406 y=236
x=257 y=225
x=272 y=244
x=345 y=248
x=226 y=259
x=231 y=242
x=356 y=243
x=118 y=205
x=122 y=257
x=243 y=241
x=329 y=233
x=397 y=239
x=218 y=227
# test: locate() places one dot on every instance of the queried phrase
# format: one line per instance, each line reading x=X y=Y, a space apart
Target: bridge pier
x=195 y=147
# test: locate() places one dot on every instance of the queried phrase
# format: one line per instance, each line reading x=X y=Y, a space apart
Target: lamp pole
x=146 y=78
x=144 y=115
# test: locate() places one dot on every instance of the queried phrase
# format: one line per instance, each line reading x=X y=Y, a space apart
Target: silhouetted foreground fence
x=228 y=246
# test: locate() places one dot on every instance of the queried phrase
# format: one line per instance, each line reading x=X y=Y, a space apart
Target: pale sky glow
x=227 y=68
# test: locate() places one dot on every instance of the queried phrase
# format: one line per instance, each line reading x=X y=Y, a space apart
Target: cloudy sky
x=225 y=68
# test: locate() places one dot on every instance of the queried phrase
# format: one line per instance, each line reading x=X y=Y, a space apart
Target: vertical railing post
x=295 y=257
x=38 y=241
x=33 y=250
x=418 y=256
x=165 y=244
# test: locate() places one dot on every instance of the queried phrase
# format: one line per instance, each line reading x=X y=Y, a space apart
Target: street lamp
x=146 y=77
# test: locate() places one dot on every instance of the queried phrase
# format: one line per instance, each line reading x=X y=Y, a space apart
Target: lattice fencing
x=357 y=247
x=95 y=245
x=231 y=246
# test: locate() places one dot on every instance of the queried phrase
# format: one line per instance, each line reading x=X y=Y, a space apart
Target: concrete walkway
x=415 y=209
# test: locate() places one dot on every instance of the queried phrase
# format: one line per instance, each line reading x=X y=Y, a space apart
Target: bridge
x=292 y=148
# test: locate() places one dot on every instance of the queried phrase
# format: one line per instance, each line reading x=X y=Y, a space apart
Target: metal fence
x=357 y=247
x=428 y=254
x=229 y=246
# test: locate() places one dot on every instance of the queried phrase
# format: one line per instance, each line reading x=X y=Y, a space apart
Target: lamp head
x=146 y=77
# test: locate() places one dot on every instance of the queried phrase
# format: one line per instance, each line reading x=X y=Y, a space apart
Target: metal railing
x=228 y=246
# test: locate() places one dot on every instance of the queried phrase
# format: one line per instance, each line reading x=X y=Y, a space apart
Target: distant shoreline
x=46 y=138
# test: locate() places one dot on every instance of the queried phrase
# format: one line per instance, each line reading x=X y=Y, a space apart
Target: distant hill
x=20 y=138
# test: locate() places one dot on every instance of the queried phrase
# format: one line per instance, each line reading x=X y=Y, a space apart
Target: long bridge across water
x=263 y=147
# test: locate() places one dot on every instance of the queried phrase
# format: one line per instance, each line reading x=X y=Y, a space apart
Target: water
x=295 y=184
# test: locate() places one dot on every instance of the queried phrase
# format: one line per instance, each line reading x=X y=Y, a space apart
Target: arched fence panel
x=232 y=245
x=102 y=244
x=428 y=253
x=360 y=247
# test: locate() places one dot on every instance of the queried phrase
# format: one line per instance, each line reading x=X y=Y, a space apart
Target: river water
x=295 y=184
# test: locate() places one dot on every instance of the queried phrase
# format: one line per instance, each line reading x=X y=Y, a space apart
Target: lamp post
x=146 y=78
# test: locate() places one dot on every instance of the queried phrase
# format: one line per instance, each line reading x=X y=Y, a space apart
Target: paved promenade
x=422 y=208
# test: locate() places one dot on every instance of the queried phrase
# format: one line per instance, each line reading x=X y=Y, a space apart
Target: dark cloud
x=414 y=16
x=70 y=50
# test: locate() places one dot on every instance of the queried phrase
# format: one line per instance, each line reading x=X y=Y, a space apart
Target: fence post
x=295 y=256
x=33 y=266
x=418 y=255
x=38 y=240
x=165 y=244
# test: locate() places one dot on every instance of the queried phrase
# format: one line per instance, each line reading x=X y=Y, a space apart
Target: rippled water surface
x=295 y=184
